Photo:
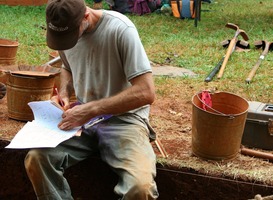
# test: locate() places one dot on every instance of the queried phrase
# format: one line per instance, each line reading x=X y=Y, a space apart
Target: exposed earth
x=171 y=118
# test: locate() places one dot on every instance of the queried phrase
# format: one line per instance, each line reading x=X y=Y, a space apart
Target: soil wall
x=92 y=179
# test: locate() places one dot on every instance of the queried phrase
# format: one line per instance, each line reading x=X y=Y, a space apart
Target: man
x=105 y=62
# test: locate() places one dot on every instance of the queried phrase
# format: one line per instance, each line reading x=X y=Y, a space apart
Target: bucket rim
x=22 y=76
x=219 y=113
x=14 y=43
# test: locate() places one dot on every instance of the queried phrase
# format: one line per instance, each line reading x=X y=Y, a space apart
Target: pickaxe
x=266 y=46
x=240 y=44
x=232 y=45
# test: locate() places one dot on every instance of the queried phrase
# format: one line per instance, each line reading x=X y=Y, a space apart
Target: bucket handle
x=218 y=112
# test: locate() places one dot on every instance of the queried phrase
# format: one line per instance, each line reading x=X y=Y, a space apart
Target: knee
x=33 y=159
x=143 y=190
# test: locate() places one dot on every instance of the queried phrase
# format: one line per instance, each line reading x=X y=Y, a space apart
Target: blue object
x=186 y=9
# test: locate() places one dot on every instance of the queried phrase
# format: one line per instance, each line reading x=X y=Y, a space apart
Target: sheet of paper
x=33 y=136
x=43 y=130
x=46 y=113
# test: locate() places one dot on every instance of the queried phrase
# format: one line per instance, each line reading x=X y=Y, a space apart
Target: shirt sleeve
x=133 y=55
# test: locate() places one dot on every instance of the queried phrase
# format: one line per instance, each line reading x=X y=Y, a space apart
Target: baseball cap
x=63 y=18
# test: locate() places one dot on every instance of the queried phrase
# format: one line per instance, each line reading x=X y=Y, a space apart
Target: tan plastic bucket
x=8 y=50
x=217 y=132
x=23 y=89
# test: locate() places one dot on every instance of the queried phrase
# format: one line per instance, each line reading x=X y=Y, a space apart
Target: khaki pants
x=123 y=145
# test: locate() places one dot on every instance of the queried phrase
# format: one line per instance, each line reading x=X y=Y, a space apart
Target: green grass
x=176 y=42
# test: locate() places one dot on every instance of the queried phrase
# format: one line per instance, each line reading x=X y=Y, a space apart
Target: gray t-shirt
x=104 y=60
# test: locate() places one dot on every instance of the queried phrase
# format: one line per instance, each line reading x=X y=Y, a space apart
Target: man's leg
x=126 y=148
x=45 y=167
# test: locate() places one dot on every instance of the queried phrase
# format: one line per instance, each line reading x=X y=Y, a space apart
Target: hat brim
x=62 y=41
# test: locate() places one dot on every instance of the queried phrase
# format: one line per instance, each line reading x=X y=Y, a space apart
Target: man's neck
x=93 y=19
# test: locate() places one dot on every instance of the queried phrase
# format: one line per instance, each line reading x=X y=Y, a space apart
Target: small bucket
x=217 y=131
x=23 y=89
x=8 y=50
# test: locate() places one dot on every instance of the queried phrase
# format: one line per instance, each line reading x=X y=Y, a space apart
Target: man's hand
x=141 y=93
x=73 y=117
x=63 y=102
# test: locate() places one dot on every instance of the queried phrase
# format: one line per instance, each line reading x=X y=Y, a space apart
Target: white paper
x=43 y=131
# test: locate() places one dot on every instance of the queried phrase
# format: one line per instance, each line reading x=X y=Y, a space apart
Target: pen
x=96 y=120
x=93 y=122
x=59 y=97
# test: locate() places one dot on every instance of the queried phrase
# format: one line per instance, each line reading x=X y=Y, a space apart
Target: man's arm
x=142 y=92
x=66 y=88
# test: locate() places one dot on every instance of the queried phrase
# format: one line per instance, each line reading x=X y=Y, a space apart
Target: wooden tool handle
x=253 y=71
x=229 y=52
x=257 y=154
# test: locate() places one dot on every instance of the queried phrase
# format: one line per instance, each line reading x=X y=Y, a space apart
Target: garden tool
x=257 y=154
x=161 y=148
x=266 y=46
x=239 y=44
x=51 y=62
x=232 y=45
x=46 y=67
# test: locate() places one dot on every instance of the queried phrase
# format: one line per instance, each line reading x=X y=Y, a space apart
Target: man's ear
x=86 y=15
